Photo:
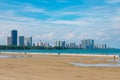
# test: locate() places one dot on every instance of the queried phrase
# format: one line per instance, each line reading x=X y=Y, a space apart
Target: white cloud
x=113 y=1
x=62 y=1
x=46 y=36
x=9 y=18
x=102 y=36
x=108 y=34
x=85 y=35
x=100 y=33
x=33 y=9
x=2 y=35
x=10 y=15
x=70 y=35
x=71 y=22
x=25 y=7
x=65 y=13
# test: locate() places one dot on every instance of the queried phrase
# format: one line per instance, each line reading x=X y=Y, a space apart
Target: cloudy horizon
x=69 y=20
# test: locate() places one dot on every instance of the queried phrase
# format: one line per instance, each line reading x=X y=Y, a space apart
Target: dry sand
x=53 y=67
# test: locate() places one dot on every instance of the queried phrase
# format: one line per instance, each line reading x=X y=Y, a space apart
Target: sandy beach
x=56 y=67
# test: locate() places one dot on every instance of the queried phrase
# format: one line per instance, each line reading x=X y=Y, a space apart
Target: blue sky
x=70 y=20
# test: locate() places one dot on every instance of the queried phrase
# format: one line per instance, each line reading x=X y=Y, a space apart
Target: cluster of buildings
x=14 y=40
x=41 y=44
x=85 y=44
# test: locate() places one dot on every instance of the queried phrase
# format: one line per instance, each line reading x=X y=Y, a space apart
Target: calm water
x=95 y=65
x=69 y=51
x=8 y=56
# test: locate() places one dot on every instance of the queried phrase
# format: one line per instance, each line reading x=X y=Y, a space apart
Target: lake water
x=70 y=51
x=4 y=56
x=11 y=56
x=95 y=65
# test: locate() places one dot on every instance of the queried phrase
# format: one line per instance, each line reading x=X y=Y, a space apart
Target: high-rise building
x=92 y=44
x=63 y=44
x=42 y=44
x=46 y=44
x=9 y=41
x=84 y=44
x=14 y=37
x=21 y=41
x=60 y=44
x=28 y=41
x=57 y=43
x=87 y=44
x=104 y=46
x=72 y=45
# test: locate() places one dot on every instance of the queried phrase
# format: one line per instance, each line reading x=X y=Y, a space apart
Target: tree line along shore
x=5 y=47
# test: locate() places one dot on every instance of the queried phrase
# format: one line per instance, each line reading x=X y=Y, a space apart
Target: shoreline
x=63 y=54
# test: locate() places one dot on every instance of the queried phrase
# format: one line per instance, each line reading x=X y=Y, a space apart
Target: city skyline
x=68 y=20
x=22 y=41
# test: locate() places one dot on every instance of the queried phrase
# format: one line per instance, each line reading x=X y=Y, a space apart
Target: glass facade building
x=21 y=41
x=14 y=37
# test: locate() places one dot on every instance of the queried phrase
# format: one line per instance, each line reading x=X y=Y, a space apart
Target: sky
x=69 y=20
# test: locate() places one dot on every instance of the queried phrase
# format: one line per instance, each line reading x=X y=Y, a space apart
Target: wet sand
x=55 y=67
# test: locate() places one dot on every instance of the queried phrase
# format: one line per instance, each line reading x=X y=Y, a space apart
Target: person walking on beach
x=25 y=53
x=59 y=53
x=114 y=58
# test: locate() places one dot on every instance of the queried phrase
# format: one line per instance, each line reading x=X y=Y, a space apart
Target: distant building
x=9 y=41
x=87 y=44
x=92 y=44
x=84 y=44
x=46 y=44
x=79 y=46
x=21 y=41
x=72 y=45
x=40 y=43
x=105 y=46
x=14 y=37
x=28 y=41
x=100 y=46
x=33 y=44
x=60 y=44
x=63 y=44
x=57 y=43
